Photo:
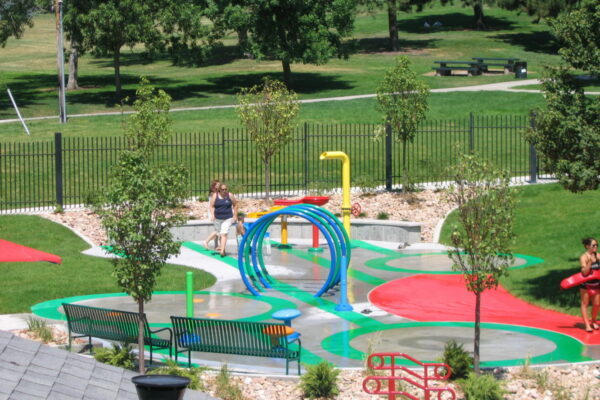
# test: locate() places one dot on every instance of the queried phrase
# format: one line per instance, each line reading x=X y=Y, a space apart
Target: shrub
x=458 y=359
x=118 y=356
x=366 y=184
x=481 y=387
x=40 y=329
x=171 y=368
x=362 y=214
x=320 y=381
x=383 y=215
x=226 y=389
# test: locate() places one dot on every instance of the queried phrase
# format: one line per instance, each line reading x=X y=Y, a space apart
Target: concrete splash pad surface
x=343 y=338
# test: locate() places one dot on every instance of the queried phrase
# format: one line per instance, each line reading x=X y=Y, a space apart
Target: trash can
x=520 y=69
x=160 y=387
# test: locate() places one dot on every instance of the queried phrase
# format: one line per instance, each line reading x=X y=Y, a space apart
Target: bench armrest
x=163 y=329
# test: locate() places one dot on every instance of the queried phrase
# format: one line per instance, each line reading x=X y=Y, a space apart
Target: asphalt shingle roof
x=31 y=370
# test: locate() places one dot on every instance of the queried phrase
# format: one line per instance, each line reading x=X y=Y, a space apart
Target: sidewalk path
x=500 y=86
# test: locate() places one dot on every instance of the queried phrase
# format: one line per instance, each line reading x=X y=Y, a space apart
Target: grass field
x=25 y=284
x=28 y=68
x=549 y=223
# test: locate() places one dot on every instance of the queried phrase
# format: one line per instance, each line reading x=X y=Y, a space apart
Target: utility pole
x=60 y=59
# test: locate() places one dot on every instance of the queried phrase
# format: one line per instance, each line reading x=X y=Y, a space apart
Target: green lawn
x=25 y=284
x=28 y=68
x=446 y=106
x=549 y=223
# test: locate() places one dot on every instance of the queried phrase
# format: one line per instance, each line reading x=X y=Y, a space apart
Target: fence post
x=533 y=162
x=58 y=163
x=305 y=157
x=388 y=157
x=471 y=133
x=223 y=155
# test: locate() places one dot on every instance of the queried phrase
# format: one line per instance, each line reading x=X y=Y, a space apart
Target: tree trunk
x=477 y=332
x=393 y=25
x=73 y=66
x=117 y=64
x=478 y=12
x=267 y=179
x=243 y=41
x=142 y=367
x=287 y=74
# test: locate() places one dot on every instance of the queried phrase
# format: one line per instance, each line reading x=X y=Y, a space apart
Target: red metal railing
x=386 y=385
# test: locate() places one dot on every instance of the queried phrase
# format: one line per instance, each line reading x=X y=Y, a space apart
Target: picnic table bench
x=257 y=339
x=508 y=64
x=445 y=68
x=114 y=325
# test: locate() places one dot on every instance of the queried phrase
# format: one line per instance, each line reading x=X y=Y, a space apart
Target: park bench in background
x=114 y=325
x=257 y=339
x=445 y=68
x=507 y=64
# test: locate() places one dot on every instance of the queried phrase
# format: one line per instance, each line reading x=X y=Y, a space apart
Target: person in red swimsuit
x=590 y=290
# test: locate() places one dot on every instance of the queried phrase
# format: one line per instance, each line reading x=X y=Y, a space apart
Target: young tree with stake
x=482 y=241
x=268 y=112
x=142 y=203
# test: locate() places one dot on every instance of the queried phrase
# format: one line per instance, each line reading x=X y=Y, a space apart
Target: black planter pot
x=160 y=387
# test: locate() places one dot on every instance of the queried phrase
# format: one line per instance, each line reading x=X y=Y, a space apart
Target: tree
x=539 y=8
x=142 y=203
x=393 y=6
x=109 y=25
x=15 y=15
x=567 y=131
x=402 y=98
x=481 y=250
x=268 y=112
x=477 y=6
x=309 y=31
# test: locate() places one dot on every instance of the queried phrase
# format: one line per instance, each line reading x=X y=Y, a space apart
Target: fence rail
x=68 y=170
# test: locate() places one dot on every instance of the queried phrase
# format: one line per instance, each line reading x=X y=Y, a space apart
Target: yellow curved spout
x=340 y=155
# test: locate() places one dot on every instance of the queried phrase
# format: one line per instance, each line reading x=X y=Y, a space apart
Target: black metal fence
x=69 y=169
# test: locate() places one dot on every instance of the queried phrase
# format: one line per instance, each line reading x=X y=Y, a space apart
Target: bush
x=481 y=387
x=40 y=329
x=171 y=368
x=320 y=381
x=383 y=215
x=458 y=359
x=226 y=389
x=118 y=356
x=366 y=184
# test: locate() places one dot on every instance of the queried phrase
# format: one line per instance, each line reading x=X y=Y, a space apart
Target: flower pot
x=160 y=387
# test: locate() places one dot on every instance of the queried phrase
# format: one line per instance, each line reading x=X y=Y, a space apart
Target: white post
x=17 y=110
x=62 y=105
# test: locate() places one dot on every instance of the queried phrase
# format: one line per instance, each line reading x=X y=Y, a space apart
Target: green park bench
x=257 y=339
x=113 y=325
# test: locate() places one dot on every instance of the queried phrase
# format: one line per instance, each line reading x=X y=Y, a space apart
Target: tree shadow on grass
x=547 y=288
x=215 y=55
x=302 y=82
x=382 y=44
x=452 y=22
x=99 y=90
x=535 y=42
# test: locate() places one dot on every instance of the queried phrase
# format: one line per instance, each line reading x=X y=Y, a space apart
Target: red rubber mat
x=431 y=298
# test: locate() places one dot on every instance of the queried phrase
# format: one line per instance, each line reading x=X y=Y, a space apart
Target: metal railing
x=68 y=170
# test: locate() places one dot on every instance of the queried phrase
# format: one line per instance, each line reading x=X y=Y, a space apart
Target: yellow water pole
x=340 y=155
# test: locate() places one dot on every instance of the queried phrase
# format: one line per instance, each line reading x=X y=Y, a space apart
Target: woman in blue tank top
x=591 y=289
x=224 y=214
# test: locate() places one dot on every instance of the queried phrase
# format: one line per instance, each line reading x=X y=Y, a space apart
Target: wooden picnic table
x=446 y=67
x=508 y=63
